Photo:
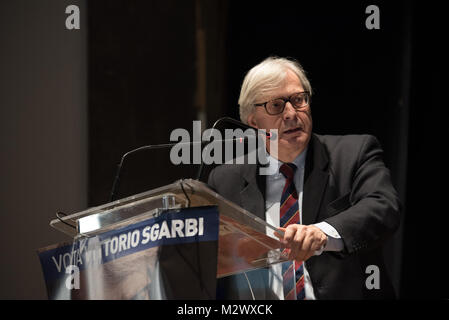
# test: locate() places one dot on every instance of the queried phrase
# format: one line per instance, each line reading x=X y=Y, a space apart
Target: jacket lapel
x=315 y=180
x=252 y=195
x=316 y=177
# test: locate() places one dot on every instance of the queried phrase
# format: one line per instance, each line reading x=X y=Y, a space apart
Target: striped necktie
x=289 y=214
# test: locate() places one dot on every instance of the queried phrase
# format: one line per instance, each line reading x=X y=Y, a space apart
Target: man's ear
x=252 y=121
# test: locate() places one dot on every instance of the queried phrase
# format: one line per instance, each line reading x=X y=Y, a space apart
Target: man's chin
x=289 y=146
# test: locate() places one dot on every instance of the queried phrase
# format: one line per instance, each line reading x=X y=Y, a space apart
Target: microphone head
x=271 y=135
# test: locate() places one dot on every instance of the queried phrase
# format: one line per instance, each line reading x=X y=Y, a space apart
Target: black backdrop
x=387 y=82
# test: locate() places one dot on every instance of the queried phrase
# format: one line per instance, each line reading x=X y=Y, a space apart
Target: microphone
x=269 y=135
x=168 y=145
x=223 y=119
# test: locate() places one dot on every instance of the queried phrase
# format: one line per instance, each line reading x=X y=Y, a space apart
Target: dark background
x=154 y=66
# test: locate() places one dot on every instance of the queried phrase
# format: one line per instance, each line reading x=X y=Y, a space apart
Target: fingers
x=303 y=241
x=294 y=236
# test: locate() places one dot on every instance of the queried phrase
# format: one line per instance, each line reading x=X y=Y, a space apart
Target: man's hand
x=302 y=241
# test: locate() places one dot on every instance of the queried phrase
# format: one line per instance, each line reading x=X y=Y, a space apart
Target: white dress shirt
x=274 y=187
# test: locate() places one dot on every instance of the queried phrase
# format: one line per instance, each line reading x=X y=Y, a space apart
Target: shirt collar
x=300 y=160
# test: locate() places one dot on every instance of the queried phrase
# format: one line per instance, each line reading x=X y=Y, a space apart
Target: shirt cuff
x=334 y=240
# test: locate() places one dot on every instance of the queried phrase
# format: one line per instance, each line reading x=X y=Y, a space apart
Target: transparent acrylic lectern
x=245 y=242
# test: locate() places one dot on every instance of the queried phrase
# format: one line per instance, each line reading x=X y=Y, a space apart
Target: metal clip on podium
x=151 y=243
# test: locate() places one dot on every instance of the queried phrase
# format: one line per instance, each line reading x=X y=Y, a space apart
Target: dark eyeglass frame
x=264 y=104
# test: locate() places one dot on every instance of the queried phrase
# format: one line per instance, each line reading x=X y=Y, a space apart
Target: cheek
x=306 y=118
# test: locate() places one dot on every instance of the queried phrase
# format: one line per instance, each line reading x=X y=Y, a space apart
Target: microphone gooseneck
x=169 y=145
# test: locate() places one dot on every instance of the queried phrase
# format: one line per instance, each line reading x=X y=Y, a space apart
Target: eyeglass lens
x=299 y=100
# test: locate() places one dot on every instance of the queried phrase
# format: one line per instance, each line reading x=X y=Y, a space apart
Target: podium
x=172 y=242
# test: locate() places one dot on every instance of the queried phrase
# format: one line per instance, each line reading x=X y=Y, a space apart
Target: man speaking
x=331 y=196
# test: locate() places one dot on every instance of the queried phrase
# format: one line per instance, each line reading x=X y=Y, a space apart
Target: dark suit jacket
x=347 y=185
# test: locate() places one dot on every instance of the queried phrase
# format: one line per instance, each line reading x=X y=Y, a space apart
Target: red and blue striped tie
x=289 y=212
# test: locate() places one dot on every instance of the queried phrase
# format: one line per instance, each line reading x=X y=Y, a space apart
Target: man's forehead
x=286 y=90
x=288 y=86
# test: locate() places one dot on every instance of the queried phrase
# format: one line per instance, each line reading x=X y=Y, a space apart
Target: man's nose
x=289 y=111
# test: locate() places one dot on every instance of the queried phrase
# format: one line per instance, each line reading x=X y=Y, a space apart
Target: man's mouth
x=292 y=130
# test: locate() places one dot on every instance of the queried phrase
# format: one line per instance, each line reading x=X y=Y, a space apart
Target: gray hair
x=265 y=77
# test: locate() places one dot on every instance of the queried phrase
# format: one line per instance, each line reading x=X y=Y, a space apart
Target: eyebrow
x=279 y=97
x=288 y=96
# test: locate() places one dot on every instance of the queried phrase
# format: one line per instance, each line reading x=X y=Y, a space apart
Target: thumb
x=280 y=235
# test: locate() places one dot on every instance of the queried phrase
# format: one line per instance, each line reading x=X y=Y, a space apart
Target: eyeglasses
x=298 y=100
